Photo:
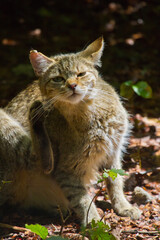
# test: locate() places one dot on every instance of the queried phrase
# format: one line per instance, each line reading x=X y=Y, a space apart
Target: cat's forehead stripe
x=65 y=63
x=71 y=62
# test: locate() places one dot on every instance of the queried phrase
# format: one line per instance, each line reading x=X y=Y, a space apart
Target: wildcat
x=58 y=132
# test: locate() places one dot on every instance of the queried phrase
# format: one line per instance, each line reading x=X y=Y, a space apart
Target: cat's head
x=69 y=77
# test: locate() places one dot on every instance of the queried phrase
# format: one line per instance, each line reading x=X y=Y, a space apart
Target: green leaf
x=119 y=171
x=38 y=229
x=112 y=174
x=128 y=83
x=126 y=89
x=100 y=180
x=97 y=231
x=105 y=175
x=142 y=89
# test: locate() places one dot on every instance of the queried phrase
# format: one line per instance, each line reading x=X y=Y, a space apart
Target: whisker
x=42 y=109
x=39 y=112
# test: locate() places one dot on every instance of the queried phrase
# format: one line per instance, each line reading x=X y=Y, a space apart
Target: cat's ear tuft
x=40 y=62
x=94 y=51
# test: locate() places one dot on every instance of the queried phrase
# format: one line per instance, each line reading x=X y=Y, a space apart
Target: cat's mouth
x=74 y=94
x=75 y=97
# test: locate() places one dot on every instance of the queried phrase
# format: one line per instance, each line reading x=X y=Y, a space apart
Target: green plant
x=141 y=88
x=111 y=173
x=42 y=232
x=97 y=231
x=38 y=229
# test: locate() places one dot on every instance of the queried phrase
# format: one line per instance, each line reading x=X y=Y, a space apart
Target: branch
x=15 y=228
x=90 y=206
x=141 y=232
x=153 y=170
x=62 y=219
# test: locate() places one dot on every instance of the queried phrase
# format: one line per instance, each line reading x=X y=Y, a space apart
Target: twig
x=90 y=206
x=141 y=232
x=56 y=230
x=62 y=219
x=151 y=170
x=15 y=228
x=102 y=217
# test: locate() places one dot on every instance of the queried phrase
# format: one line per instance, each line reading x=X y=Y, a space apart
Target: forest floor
x=141 y=163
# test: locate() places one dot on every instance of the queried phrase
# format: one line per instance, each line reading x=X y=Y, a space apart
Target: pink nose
x=72 y=86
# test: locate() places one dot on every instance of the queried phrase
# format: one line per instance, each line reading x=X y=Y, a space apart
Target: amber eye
x=81 y=74
x=57 y=79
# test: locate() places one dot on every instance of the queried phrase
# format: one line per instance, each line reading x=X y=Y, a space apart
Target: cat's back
x=108 y=102
x=19 y=106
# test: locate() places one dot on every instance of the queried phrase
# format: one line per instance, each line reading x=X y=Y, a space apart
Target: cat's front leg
x=116 y=194
x=84 y=208
x=118 y=200
x=40 y=139
x=79 y=200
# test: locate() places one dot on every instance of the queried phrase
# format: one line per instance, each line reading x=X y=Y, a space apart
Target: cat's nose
x=72 y=86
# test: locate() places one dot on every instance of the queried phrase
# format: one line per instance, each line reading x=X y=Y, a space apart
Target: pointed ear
x=40 y=62
x=94 y=51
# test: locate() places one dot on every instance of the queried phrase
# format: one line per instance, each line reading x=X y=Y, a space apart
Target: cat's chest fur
x=83 y=140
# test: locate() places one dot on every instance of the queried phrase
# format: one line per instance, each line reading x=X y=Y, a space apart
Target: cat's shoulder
x=19 y=106
x=29 y=94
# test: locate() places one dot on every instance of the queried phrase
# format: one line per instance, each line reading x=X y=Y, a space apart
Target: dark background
x=130 y=29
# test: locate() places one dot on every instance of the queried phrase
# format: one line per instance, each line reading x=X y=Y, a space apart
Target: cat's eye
x=81 y=74
x=57 y=79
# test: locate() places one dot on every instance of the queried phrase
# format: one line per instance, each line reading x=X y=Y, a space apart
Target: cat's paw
x=36 y=112
x=131 y=211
